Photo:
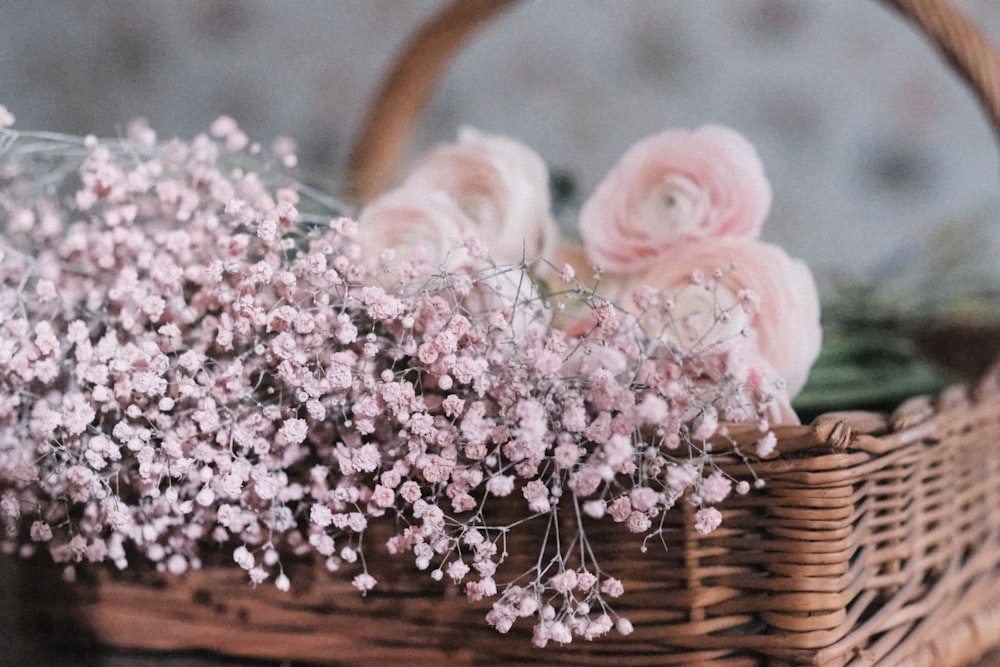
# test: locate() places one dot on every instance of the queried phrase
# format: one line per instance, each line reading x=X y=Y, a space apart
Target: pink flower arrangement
x=682 y=204
x=782 y=327
x=196 y=353
x=676 y=184
x=485 y=186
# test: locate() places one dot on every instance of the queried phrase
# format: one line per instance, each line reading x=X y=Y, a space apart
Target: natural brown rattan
x=876 y=539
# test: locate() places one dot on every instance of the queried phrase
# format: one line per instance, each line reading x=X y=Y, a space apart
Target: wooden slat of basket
x=906 y=552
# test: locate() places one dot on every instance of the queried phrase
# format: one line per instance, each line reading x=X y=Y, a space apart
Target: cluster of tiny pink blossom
x=196 y=360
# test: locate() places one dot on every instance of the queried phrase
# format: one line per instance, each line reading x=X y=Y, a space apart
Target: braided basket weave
x=875 y=541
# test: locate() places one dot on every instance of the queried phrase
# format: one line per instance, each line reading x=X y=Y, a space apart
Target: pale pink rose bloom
x=415 y=225
x=784 y=333
x=693 y=318
x=501 y=185
x=706 y=182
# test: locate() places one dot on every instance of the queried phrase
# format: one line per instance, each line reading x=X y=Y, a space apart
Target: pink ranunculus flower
x=414 y=226
x=706 y=182
x=501 y=185
x=766 y=292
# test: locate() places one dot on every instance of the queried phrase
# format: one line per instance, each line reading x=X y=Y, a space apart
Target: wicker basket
x=876 y=539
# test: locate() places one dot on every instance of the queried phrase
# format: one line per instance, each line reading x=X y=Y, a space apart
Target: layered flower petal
x=501 y=185
x=762 y=290
x=416 y=226
x=703 y=183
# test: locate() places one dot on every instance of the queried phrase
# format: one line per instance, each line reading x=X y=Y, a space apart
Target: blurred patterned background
x=869 y=140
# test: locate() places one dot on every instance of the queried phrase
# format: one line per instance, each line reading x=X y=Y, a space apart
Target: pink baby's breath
x=200 y=358
x=707 y=519
x=766 y=445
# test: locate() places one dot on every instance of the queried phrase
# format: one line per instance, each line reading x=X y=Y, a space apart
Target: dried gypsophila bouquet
x=201 y=356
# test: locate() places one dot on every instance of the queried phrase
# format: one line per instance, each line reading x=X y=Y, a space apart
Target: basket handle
x=397 y=104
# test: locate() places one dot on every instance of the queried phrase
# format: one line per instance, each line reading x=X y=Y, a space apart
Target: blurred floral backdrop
x=870 y=142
